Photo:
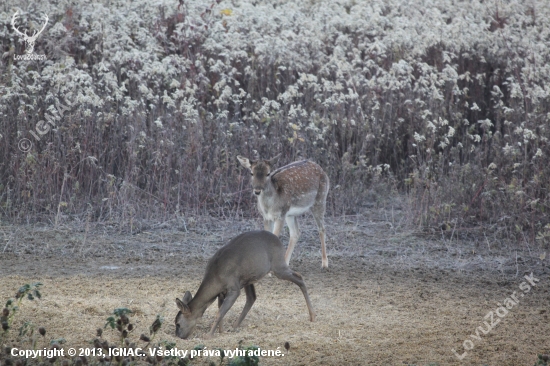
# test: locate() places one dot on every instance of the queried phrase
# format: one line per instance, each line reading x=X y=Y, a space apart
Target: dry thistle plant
x=26 y=332
x=120 y=321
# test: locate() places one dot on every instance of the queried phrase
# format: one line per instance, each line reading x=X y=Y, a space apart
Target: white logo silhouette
x=29 y=40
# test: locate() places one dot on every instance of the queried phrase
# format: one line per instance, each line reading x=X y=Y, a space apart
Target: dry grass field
x=389 y=297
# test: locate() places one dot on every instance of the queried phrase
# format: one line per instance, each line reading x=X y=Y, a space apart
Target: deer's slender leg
x=268 y=225
x=318 y=211
x=292 y=222
x=279 y=224
x=290 y=275
x=228 y=302
x=321 y=226
x=221 y=298
x=250 y=298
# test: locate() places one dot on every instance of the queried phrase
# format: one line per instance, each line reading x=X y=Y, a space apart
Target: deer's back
x=298 y=178
x=246 y=258
x=297 y=186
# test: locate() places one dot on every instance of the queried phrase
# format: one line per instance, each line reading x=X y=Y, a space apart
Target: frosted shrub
x=166 y=94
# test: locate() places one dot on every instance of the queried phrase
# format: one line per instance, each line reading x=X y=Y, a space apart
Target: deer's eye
x=252 y=174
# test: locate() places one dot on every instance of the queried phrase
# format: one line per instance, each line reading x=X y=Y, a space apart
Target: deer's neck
x=269 y=189
x=206 y=294
x=266 y=201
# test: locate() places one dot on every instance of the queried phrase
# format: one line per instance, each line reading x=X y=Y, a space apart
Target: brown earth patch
x=390 y=297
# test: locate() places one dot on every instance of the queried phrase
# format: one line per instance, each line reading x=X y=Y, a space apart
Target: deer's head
x=260 y=171
x=185 y=320
x=29 y=40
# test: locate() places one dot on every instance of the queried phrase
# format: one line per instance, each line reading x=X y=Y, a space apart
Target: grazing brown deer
x=287 y=192
x=238 y=264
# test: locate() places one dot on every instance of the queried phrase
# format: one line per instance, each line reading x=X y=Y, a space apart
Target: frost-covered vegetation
x=446 y=100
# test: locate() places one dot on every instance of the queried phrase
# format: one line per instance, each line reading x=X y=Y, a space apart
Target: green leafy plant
x=27 y=330
x=121 y=322
x=249 y=359
x=28 y=291
x=543 y=360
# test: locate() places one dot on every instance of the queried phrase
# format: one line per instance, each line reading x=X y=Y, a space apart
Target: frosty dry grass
x=447 y=102
x=28 y=347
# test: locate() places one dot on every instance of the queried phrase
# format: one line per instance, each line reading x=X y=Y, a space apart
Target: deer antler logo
x=29 y=40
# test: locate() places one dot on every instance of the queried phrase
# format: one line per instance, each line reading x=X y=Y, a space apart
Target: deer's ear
x=274 y=160
x=184 y=308
x=245 y=162
x=187 y=297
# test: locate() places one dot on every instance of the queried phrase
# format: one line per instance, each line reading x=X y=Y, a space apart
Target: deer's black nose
x=257 y=192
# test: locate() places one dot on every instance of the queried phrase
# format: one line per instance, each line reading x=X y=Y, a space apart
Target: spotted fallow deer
x=238 y=264
x=287 y=192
